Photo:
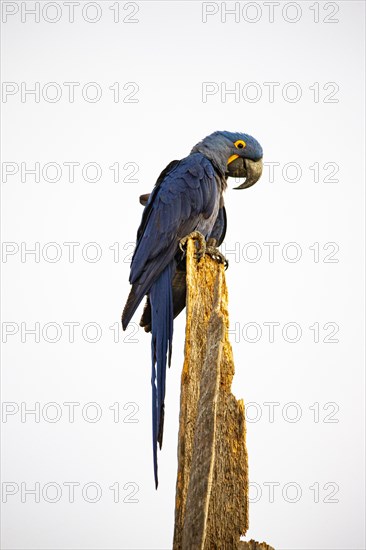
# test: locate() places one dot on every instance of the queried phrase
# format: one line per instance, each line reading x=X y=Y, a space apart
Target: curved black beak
x=251 y=170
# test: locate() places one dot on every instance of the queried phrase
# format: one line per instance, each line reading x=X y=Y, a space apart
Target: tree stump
x=211 y=509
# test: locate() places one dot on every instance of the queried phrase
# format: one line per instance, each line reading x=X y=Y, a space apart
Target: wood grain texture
x=212 y=481
x=253 y=545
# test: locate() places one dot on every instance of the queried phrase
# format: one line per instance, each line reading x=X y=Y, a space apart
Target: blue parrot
x=187 y=199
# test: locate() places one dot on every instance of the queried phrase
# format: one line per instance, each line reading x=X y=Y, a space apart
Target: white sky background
x=170 y=53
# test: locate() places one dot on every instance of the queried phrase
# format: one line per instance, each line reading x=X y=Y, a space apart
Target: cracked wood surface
x=212 y=481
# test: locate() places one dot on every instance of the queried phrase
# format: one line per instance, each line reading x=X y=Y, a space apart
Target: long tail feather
x=161 y=301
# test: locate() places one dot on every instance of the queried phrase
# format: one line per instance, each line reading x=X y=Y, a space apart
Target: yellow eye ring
x=240 y=144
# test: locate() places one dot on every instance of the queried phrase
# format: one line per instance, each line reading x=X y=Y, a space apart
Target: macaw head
x=234 y=154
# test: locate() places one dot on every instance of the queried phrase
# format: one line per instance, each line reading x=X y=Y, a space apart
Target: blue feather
x=161 y=301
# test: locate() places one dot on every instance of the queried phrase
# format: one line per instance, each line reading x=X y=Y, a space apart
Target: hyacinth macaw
x=187 y=199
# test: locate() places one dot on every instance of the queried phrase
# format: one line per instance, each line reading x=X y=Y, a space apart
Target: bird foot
x=217 y=256
x=200 y=243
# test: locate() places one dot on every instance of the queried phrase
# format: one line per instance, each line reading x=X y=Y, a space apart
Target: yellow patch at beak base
x=233 y=157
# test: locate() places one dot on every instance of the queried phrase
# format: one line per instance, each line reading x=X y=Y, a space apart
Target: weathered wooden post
x=212 y=483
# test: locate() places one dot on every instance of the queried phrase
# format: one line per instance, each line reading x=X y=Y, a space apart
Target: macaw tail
x=161 y=301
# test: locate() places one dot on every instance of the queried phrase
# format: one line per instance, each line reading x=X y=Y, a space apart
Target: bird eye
x=240 y=144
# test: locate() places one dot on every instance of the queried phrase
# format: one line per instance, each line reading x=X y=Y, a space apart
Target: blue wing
x=185 y=194
x=180 y=200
